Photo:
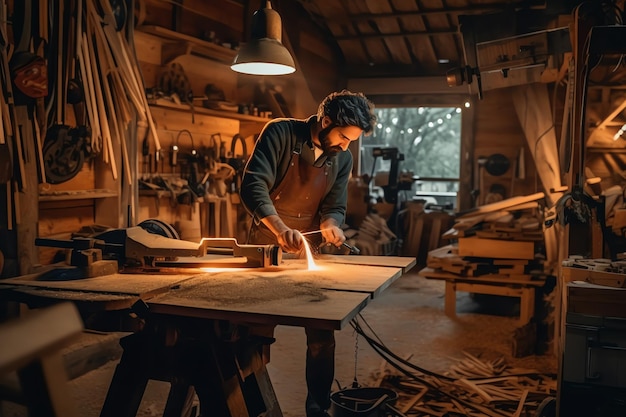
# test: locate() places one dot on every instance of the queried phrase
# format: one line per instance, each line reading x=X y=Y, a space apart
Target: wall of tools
x=207 y=121
x=106 y=125
x=192 y=182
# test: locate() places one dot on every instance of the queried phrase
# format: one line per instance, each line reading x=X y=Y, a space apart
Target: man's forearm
x=275 y=224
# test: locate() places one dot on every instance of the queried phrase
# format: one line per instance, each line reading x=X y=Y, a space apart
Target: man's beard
x=326 y=147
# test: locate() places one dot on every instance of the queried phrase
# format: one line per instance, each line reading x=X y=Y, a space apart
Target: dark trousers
x=320 y=368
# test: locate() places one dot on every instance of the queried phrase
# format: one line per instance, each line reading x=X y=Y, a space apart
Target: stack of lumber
x=516 y=219
x=472 y=387
x=500 y=238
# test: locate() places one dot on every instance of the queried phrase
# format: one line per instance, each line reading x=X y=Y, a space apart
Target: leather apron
x=297 y=198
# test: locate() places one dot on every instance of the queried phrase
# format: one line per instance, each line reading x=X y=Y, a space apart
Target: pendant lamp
x=264 y=54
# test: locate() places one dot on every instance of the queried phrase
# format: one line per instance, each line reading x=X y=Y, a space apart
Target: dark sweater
x=269 y=162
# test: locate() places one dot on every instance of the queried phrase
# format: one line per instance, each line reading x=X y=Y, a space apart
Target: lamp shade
x=264 y=54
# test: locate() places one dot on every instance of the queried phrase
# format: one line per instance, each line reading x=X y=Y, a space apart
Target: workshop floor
x=408 y=318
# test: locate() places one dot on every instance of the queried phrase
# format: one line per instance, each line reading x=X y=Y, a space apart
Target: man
x=296 y=180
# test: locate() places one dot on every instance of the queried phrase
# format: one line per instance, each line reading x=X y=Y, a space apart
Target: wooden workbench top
x=287 y=294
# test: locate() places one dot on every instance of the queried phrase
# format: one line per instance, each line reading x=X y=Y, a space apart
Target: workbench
x=491 y=284
x=194 y=328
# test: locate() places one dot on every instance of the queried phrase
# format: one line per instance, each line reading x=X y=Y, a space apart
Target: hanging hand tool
x=7 y=105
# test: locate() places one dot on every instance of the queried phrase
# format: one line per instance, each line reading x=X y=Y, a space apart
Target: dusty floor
x=408 y=318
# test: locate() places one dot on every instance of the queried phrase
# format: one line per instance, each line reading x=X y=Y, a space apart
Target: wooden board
x=330 y=276
x=491 y=278
x=289 y=294
x=342 y=277
x=322 y=309
x=501 y=205
x=609 y=279
x=137 y=285
x=404 y=262
x=494 y=248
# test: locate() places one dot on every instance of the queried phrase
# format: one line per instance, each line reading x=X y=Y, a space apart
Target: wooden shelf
x=164 y=103
x=180 y=44
x=76 y=195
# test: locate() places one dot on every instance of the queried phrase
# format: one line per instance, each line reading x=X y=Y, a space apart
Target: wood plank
x=331 y=276
x=137 y=285
x=342 y=277
x=404 y=262
x=501 y=205
x=493 y=248
x=37 y=334
x=491 y=278
x=322 y=309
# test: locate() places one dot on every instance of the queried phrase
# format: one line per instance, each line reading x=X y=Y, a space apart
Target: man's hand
x=290 y=240
x=333 y=234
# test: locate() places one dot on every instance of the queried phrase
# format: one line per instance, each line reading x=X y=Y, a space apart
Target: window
x=425 y=145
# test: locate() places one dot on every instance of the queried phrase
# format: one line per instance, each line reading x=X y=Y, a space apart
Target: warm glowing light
x=310 y=262
x=222 y=269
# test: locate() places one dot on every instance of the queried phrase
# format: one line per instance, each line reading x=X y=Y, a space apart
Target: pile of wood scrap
x=516 y=218
x=500 y=238
x=472 y=387
x=373 y=236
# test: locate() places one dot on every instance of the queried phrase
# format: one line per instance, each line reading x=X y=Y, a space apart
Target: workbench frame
x=203 y=344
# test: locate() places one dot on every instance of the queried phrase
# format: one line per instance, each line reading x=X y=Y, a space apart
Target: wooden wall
x=494 y=127
x=201 y=38
x=497 y=130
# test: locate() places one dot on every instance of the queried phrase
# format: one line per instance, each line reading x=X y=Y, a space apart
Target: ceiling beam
x=397 y=35
x=447 y=10
x=405 y=85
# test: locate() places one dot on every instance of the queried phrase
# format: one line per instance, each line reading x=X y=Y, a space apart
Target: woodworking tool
x=138 y=250
x=353 y=249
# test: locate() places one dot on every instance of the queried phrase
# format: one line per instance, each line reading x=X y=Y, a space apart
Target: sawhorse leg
x=129 y=380
x=229 y=378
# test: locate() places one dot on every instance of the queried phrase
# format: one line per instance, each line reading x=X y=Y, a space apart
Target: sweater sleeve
x=262 y=171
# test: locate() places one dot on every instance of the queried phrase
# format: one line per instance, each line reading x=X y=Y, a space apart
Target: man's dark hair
x=346 y=108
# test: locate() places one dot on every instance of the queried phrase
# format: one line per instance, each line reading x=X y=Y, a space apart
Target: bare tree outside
x=429 y=138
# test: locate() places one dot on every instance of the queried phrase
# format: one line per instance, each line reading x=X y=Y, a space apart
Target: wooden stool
x=30 y=346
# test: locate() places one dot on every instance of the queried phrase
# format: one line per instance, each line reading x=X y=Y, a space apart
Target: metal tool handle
x=353 y=249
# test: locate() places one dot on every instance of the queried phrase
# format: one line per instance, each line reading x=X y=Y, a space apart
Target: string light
x=388 y=130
